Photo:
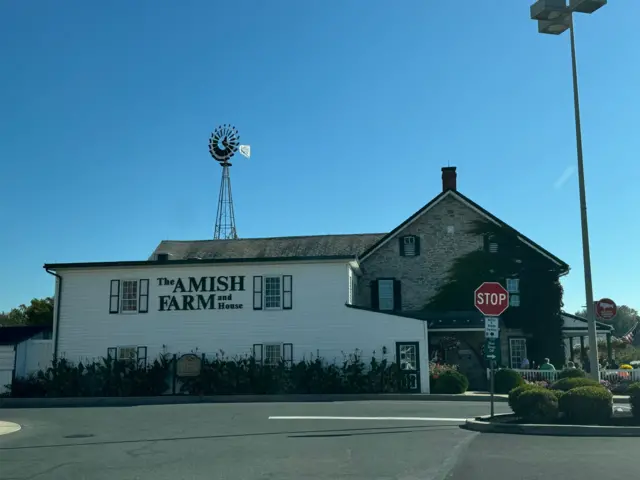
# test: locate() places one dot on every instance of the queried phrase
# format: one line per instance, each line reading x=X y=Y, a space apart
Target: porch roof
x=575 y=326
x=452 y=321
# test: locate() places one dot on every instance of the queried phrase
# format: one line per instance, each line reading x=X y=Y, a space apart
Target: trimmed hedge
x=516 y=392
x=634 y=399
x=571 y=373
x=506 y=380
x=567 y=384
x=451 y=381
x=589 y=405
x=537 y=405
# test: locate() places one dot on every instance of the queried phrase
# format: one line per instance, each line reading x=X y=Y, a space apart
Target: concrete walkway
x=504 y=397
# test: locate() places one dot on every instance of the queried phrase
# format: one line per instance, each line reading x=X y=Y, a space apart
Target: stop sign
x=491 y=298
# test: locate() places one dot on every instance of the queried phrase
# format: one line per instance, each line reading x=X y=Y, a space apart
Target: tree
x=38 y=312
x=624 y=321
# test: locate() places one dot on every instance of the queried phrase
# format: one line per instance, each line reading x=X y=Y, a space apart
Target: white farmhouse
x=276 y=298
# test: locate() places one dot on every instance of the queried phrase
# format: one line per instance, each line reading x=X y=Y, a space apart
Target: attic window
x=490 y=244
x=409 y=246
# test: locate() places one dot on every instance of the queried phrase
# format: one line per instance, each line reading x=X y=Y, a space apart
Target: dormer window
x=409 y=246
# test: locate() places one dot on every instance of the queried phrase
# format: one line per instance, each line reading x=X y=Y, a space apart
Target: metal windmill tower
x=223 y=144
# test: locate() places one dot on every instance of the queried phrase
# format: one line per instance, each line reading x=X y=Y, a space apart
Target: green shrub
x=558 y=394
x=450 y=382
x=587 y=405
x=516 y=392
x=634 y=399
x=536 y=405
x=218 y=375
x=506 y=380
x=566 y=384
x=633 y=387
x=571 y=373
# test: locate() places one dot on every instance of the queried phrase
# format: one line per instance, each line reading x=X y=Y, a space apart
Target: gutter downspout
x=57 y=305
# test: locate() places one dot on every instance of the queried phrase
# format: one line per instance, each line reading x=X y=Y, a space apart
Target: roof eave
x=194 y=261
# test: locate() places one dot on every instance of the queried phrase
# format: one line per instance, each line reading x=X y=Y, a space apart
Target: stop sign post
x=491 y=299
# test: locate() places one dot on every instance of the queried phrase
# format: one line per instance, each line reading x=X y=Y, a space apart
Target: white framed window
x=129 y=296
x=272 y=353
x=517 y=351
x=513 y=285
x=514 y=300
x=127 y=354
x=409 y=246
x=385 y=294
x=354 y=289
x=491 y=244
x=272 y=293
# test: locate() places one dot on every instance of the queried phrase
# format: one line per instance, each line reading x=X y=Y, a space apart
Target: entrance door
x=407 y=355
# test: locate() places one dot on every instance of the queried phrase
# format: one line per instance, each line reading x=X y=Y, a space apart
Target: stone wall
x=439 y=247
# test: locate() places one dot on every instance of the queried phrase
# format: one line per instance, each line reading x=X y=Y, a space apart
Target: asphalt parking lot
x=394 y=440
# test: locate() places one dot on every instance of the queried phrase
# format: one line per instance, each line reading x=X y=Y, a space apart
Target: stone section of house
x=439 y=247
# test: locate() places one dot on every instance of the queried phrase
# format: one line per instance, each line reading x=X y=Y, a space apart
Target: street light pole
x=554 y=17
x=586 y=251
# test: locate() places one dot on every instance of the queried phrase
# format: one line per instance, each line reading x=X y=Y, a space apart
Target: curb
x=8 y=427
x=482 y=425
x=64 y=402
x=191 y=399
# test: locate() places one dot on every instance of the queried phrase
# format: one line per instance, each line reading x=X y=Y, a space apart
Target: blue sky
x=351 y=109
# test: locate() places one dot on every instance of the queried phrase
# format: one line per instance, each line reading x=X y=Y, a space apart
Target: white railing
x=552 y=375
x=538 y=375
x=620 y=375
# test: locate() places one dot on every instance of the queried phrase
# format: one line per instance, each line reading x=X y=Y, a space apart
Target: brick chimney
x=449 y=177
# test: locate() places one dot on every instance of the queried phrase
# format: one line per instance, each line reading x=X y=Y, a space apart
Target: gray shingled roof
x=276 y=247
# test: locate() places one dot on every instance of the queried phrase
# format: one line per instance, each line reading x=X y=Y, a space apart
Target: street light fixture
x=554 y=17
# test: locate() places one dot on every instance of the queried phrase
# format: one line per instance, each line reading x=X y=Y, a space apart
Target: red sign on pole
x=606 y=309
x=491 y=298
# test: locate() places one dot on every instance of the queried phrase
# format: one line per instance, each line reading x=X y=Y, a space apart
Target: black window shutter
x=257 y=293
x=397 y=295
x=375 y=299
x=401 y=245
x=416 y=239
x=114 y=297
x=112 y=353
x=287 y=292
x=143 y=296
x=287 y=354
x=257 y=352
x=141 y=355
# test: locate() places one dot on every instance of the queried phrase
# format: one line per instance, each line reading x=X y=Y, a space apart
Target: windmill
x=223 y=144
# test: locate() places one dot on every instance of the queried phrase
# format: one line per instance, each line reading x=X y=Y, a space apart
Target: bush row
x=589 y=404
x=220 y=375
x=227 y=376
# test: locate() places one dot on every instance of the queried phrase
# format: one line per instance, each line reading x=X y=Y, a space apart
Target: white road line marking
x=408 y=419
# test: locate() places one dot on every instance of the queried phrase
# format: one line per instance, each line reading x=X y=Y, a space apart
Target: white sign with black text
x=491 y=327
